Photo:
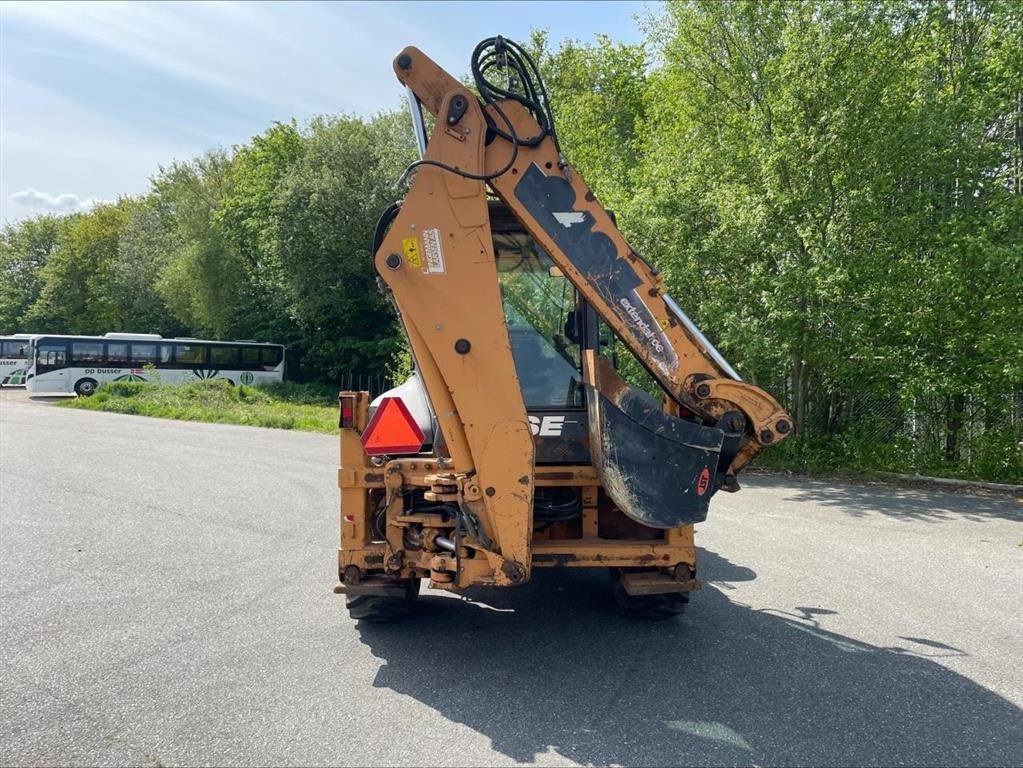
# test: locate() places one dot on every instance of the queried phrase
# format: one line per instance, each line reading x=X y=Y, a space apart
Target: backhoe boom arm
x=557 y=208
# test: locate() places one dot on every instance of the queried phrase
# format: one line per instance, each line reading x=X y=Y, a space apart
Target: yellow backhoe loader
x=516 y=444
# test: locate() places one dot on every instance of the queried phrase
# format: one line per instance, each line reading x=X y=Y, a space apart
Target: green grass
x=307 y=407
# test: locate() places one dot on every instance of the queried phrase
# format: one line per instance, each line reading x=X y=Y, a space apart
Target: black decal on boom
x=551 y=201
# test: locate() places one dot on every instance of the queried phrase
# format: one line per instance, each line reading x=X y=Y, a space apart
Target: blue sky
x=94 y=96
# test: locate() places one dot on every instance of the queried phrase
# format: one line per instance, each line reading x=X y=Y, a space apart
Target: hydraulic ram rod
x=416 y=110
x=709 y=348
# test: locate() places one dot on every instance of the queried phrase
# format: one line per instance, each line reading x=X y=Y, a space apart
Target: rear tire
x=378 y=609
x=656 y=607
x=85 y=387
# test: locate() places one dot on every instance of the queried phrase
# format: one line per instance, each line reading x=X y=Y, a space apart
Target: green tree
x=25 y=248
x=145 y=244
x=597 y=93
x=245 y=213
x=76 y=293
x=828 y=187
x=324 y=219
x=203 y=281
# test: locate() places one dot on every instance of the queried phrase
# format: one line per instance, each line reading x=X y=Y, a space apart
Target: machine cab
x=548 y=327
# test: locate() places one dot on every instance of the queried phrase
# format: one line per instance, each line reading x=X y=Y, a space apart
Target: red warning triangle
x=392 y=430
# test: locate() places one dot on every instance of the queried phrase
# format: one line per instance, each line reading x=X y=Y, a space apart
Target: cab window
x=540 y=311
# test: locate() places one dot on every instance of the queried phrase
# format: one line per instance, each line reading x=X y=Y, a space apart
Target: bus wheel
x=85 y=387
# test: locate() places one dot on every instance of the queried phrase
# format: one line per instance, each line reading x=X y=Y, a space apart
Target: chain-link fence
x=374 y=383
x=858 y=426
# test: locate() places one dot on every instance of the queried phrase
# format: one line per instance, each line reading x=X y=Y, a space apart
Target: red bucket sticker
x=703 y=482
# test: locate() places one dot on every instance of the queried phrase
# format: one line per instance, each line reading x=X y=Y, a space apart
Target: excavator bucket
x=657 y=469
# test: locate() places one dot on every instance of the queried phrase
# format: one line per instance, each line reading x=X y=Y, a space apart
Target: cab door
x=544 y=318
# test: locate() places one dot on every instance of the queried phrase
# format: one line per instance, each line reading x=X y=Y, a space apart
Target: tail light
x=347 y=411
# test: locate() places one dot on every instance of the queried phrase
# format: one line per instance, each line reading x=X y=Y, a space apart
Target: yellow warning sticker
x=410 y=246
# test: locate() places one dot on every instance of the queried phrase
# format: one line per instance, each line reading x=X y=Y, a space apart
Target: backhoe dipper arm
x=437 y=260
x=562 y=214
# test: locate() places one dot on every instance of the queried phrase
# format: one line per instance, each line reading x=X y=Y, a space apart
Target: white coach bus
x=79 y=364
x=14 y=359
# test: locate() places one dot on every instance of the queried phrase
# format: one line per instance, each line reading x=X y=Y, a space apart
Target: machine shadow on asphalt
x=549 y=667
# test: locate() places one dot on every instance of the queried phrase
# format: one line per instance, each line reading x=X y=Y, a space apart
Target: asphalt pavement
x=165 y=599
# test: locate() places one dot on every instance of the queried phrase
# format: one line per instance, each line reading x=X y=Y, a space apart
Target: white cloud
x=65 y=203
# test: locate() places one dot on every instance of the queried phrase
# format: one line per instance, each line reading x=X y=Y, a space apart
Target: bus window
x=250 y=356
x=117 y=353
x=14 y=350
x=189 y=354
x=144 y=354
x=271 y=356
x=87 y=352
x=224 y=356
x=166 y=353
x=51 y=355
